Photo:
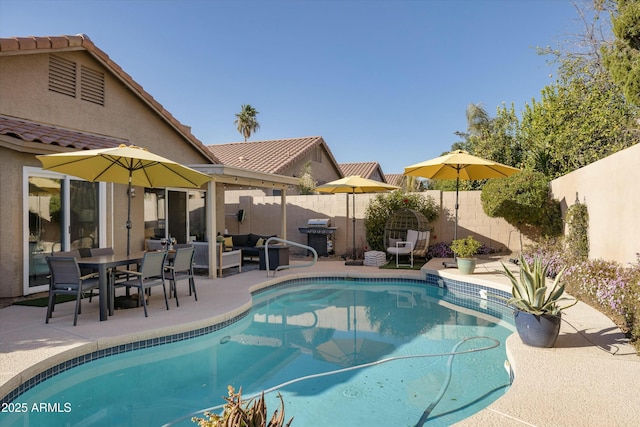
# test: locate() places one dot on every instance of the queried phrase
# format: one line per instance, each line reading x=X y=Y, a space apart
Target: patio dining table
x=103 y=263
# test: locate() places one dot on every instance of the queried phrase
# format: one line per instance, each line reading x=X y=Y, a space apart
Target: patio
x=588 y=379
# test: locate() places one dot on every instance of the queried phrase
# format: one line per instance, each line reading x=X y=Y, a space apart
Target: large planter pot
x=466 y=265
x=537 y=330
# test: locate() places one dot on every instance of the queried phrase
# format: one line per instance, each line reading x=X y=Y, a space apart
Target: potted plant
x=465 y=249
x=538 y=308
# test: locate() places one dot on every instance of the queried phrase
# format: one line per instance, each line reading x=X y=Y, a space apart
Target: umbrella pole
x=353 y=227
x=353 y=224
x=128 y=224
x=454 y=264
x=455 y=230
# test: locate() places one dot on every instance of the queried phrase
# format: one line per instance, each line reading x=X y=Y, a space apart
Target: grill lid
x=319 y=222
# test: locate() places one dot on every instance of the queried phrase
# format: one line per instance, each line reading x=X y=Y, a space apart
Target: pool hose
x=454 y=351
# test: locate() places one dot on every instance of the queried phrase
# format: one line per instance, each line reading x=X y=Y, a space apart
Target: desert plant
x=465 y=248
x=530 y=292
x=239 y=413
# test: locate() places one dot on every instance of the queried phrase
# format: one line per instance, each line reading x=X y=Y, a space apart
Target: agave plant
x=531 y=294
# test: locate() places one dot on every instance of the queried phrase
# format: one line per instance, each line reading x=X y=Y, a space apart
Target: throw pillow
x=260 y=242
x=228 y=242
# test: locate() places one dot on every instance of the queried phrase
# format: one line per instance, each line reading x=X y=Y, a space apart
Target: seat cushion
x=402 y=250
x=412 y=236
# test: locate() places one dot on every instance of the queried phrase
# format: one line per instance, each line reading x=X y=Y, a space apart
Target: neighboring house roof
x=394 y=179
x=66 y=43
x=364 y=169
x=47 y=134
x=273 y=156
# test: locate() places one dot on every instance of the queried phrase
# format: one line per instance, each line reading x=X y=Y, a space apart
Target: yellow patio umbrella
x=355 y=184
x=459 y=165
x=124 y=164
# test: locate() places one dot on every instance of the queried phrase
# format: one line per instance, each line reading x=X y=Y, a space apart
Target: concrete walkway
x=589 y=379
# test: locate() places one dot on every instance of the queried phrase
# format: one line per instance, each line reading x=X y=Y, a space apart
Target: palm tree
x=306 y=182
x=478 y=120
x=246 y=122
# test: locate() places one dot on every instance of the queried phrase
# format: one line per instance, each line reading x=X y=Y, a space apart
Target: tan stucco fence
x=608 y=187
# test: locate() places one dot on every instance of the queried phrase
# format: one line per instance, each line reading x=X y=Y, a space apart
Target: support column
x=212 y=231
x=283 y=214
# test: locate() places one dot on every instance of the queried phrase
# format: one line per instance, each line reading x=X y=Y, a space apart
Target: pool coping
x=576 y=373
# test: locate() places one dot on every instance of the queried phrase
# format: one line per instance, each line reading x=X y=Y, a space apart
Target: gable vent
x=91 y=85
x=62 y=76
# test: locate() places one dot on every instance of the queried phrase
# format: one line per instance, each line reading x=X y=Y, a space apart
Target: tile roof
x=67 y=43
x=364 y=169
x=272 y=156
x=54 y=135
x=394 y=179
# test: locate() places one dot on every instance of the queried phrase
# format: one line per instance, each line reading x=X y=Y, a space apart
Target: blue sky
x=386 y=81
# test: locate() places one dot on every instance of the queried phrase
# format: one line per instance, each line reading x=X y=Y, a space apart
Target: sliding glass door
x=61 y=213
x=176 y=213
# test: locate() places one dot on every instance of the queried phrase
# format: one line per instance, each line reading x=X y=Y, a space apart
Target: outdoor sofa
x=249 y=243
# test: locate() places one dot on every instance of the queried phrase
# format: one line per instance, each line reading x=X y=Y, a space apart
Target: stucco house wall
x=25 y=94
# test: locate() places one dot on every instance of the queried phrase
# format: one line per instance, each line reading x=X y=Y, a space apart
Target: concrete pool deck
x=590 y=378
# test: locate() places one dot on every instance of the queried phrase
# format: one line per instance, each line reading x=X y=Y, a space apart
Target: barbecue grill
x=319 y=235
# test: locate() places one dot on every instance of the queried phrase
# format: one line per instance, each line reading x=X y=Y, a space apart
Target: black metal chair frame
x=182 y=268
x=67 y=280
x=151 y=274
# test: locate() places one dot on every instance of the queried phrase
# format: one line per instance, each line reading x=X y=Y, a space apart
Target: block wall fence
x=609 y=188
x=263 y=217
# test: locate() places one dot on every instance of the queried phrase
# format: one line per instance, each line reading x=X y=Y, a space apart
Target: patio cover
x=239 y=176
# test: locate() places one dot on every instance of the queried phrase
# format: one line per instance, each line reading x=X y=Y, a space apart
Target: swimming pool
x=296 y=332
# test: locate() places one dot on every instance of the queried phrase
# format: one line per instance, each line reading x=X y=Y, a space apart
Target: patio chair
x=182 y=245
x=151 y=274
x=182 y=268
x=85 y=272
x=415 y=245
x=67 y=280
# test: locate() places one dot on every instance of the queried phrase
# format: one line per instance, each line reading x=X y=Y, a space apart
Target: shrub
x=550 y=251
x=383 y=206
x=577 y=239
x=465 y=248
x=443 y=250
x=524 y=201
x=440 y=250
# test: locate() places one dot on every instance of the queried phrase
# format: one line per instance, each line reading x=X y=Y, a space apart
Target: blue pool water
x=303 y=342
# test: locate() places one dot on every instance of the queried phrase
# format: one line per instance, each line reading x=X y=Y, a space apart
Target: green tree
x=478 y=121
x=502 y=141
x=576 y=122
x=584 y=115
x=246 y=122
x=622 y=57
